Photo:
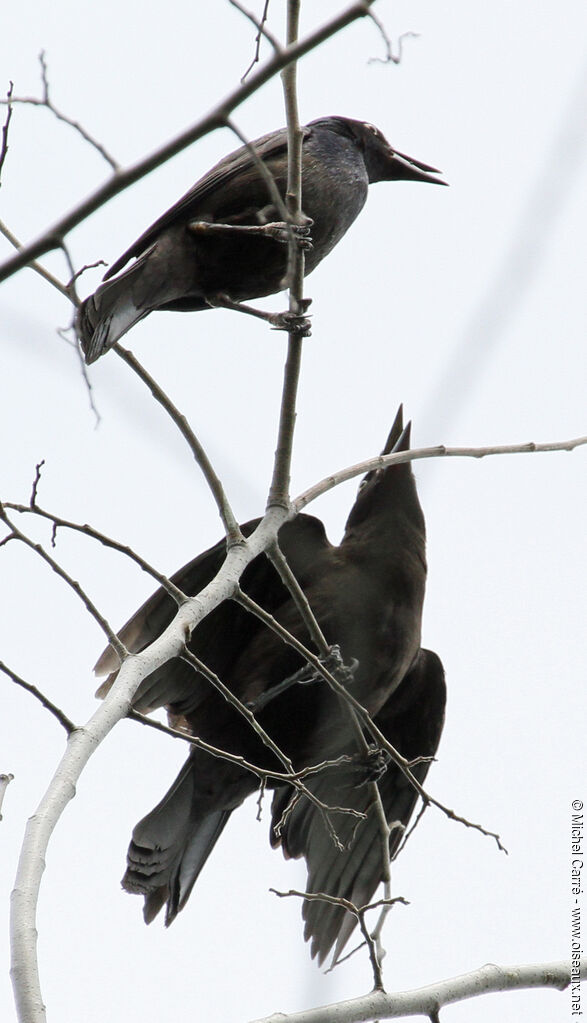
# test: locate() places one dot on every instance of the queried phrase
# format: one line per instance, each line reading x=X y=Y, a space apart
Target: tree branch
x=229 y=522
x=5 y=780
x=44 y=700
x=415 y=454
x=427 y=1001
x=47 y=102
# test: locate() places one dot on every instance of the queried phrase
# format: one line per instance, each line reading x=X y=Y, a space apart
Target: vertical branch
x=5 y=780
x=279 y=490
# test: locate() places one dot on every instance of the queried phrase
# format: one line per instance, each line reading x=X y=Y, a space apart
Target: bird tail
x=170 y=846
x=106 y=315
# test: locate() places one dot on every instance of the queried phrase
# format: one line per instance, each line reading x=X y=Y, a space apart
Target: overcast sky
x=467 y=304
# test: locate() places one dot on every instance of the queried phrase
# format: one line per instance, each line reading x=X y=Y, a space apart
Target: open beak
x=405 y=168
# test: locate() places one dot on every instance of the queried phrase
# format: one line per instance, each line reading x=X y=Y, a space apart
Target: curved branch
x=440 y=451
x=427 y=1001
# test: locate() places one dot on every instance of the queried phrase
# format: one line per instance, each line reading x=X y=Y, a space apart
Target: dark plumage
x=180 y=267
x=367 y=596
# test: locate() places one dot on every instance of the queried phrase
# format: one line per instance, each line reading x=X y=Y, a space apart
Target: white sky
x=467 y=304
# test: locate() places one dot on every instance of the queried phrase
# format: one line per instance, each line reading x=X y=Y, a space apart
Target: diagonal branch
x=44 y=700
x=107 y=541
x=231 y=526
x=363 y=716
x=47 y=102
x=17 y=534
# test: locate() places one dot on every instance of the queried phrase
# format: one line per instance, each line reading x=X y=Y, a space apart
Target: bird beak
x=405 y=168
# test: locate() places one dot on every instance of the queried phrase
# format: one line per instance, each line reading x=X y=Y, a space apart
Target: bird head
x=389 y=493
x=382 y=162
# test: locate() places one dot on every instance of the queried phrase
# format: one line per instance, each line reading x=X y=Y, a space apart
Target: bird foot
x=372 y=765
x=282 y=232
x=293 y=323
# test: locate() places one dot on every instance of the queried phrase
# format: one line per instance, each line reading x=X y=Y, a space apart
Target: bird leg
x=294 y=323
x=306 y=675
x=278 y=230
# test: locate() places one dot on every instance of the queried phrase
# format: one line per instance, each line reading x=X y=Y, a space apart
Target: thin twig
x=266 y=739
x=263 y=773
x=415 y=454
x=60 y=523
x=263 y=169
x=17 y=534
x=4 y=147
x=357 y=911
x=229 y=522
x=44 y=700
x=33 y=265
x=122 y=179
x=262 y=32
x=363 y=715
x=280 y=563
x=47 y=102
x=390 y=57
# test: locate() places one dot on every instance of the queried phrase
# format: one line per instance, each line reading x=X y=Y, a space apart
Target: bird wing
x=239 y=164
x=221 y=637
x=412 y=720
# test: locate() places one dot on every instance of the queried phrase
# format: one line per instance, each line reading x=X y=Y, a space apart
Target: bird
x=223 y=242
x=367 y=595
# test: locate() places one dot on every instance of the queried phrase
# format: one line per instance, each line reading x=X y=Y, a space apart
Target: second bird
x=202 y=253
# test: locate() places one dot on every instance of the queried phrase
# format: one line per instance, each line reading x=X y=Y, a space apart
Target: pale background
x=467 y=304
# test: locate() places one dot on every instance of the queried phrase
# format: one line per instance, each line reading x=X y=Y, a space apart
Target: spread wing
x=214 y=189
x=412 y=720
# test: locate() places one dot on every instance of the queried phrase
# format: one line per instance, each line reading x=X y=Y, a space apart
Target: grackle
x=367 y=596
x=222 y=244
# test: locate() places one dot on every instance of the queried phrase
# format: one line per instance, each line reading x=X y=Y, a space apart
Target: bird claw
x=293 y=323
x=372 y=765
x=282 y=232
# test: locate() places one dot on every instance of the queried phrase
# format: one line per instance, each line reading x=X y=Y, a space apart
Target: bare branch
x=440 y=451
x=44 y=700
x=16 y=534
x=357 y=911
x=52 y=238
x=4 y=147
x=390 y=57
x=229 y=696
x=363 y=716
x=279 y=562
x=49 y=277
x=279 y=489
x=61 y=523
x=427 y=1001
x=47 y=102
x=286 y=777
x=231 y=526
x=5 y=780
x=262 y=32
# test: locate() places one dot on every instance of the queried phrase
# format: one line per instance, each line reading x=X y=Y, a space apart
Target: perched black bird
x=197 y=254
x=367 y=596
